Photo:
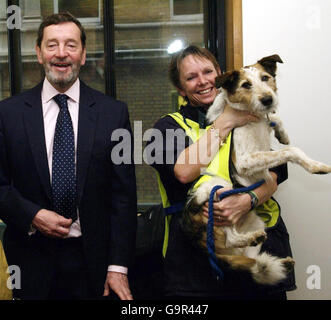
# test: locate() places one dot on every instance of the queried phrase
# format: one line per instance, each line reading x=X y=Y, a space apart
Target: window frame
x=224 y=41
x=222 y=28
x=94 y=20
x=14 y=56
x=183 y=17
x=233 y=34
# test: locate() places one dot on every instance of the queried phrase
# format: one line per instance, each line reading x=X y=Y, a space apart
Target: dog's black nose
x=267 y=101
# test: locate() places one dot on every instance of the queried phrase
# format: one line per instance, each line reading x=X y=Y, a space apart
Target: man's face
x=62 y=54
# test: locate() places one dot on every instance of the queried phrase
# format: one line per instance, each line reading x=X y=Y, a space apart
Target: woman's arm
x=198 y=155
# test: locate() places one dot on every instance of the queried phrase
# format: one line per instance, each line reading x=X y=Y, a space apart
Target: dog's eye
x=265 y=78
x=246 y=85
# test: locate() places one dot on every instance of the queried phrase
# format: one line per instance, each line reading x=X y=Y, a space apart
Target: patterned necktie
x=63 y=166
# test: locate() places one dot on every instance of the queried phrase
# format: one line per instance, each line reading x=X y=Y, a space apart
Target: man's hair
x=178 y=58
x=58 y=18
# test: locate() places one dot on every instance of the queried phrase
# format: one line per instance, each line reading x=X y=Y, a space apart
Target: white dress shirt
x=50 y=113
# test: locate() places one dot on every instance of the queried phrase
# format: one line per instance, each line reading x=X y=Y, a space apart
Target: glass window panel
x=47 y=7
x=4 y=72
x=80 y=8
x=182 y=7
x=31 y=9
x=144 y=30
x=93 y=71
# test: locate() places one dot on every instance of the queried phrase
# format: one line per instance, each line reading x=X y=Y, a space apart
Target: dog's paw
x=193 y=206
x=284 y=139
x=259 y=237
x=288 y=263
x=325 y=169
x=319 y=168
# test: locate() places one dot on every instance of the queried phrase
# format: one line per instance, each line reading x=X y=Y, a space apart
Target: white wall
x=300 y=32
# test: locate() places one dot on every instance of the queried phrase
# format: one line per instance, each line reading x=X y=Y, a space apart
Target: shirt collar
x=49 y=92
x=195 y=113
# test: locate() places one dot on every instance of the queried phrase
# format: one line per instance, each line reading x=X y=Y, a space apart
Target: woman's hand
x=232 y=118
x=229 y=211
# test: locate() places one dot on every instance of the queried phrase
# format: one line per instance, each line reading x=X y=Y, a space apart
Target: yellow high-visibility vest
x=5 y=292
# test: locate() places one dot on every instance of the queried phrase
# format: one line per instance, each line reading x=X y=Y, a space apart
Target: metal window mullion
x=14 y=56
x=109 y=43
x=215 y=30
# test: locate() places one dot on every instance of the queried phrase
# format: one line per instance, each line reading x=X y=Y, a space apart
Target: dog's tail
x=270 y=269
x=265 y=269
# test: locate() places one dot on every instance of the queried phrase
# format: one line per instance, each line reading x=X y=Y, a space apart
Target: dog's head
x=253 y=87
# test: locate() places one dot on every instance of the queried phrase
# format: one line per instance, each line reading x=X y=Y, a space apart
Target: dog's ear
x=270 y=63
x=228 y=81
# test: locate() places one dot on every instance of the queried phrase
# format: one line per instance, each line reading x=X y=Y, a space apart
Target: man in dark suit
x=70 y=211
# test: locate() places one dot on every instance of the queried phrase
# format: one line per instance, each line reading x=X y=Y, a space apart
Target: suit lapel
x=34 y=125
x=86 y=131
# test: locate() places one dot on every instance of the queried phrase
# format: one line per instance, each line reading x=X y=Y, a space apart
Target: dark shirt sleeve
x=165 y=144
x=282 y=173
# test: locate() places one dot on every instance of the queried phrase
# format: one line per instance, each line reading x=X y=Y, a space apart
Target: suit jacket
x=106 y=192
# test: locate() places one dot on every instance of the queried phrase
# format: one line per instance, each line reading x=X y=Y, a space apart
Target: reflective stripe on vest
x=165 y=204
x=192 y=130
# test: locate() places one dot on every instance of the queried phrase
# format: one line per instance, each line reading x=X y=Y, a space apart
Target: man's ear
x=83 y=56
x=270 y=63
x=38 y=51
x=228 y=81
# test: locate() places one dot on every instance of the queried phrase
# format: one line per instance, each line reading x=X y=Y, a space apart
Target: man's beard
x=60 y=80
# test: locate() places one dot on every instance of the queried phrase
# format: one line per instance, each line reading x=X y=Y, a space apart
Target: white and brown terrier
x=251 y=88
